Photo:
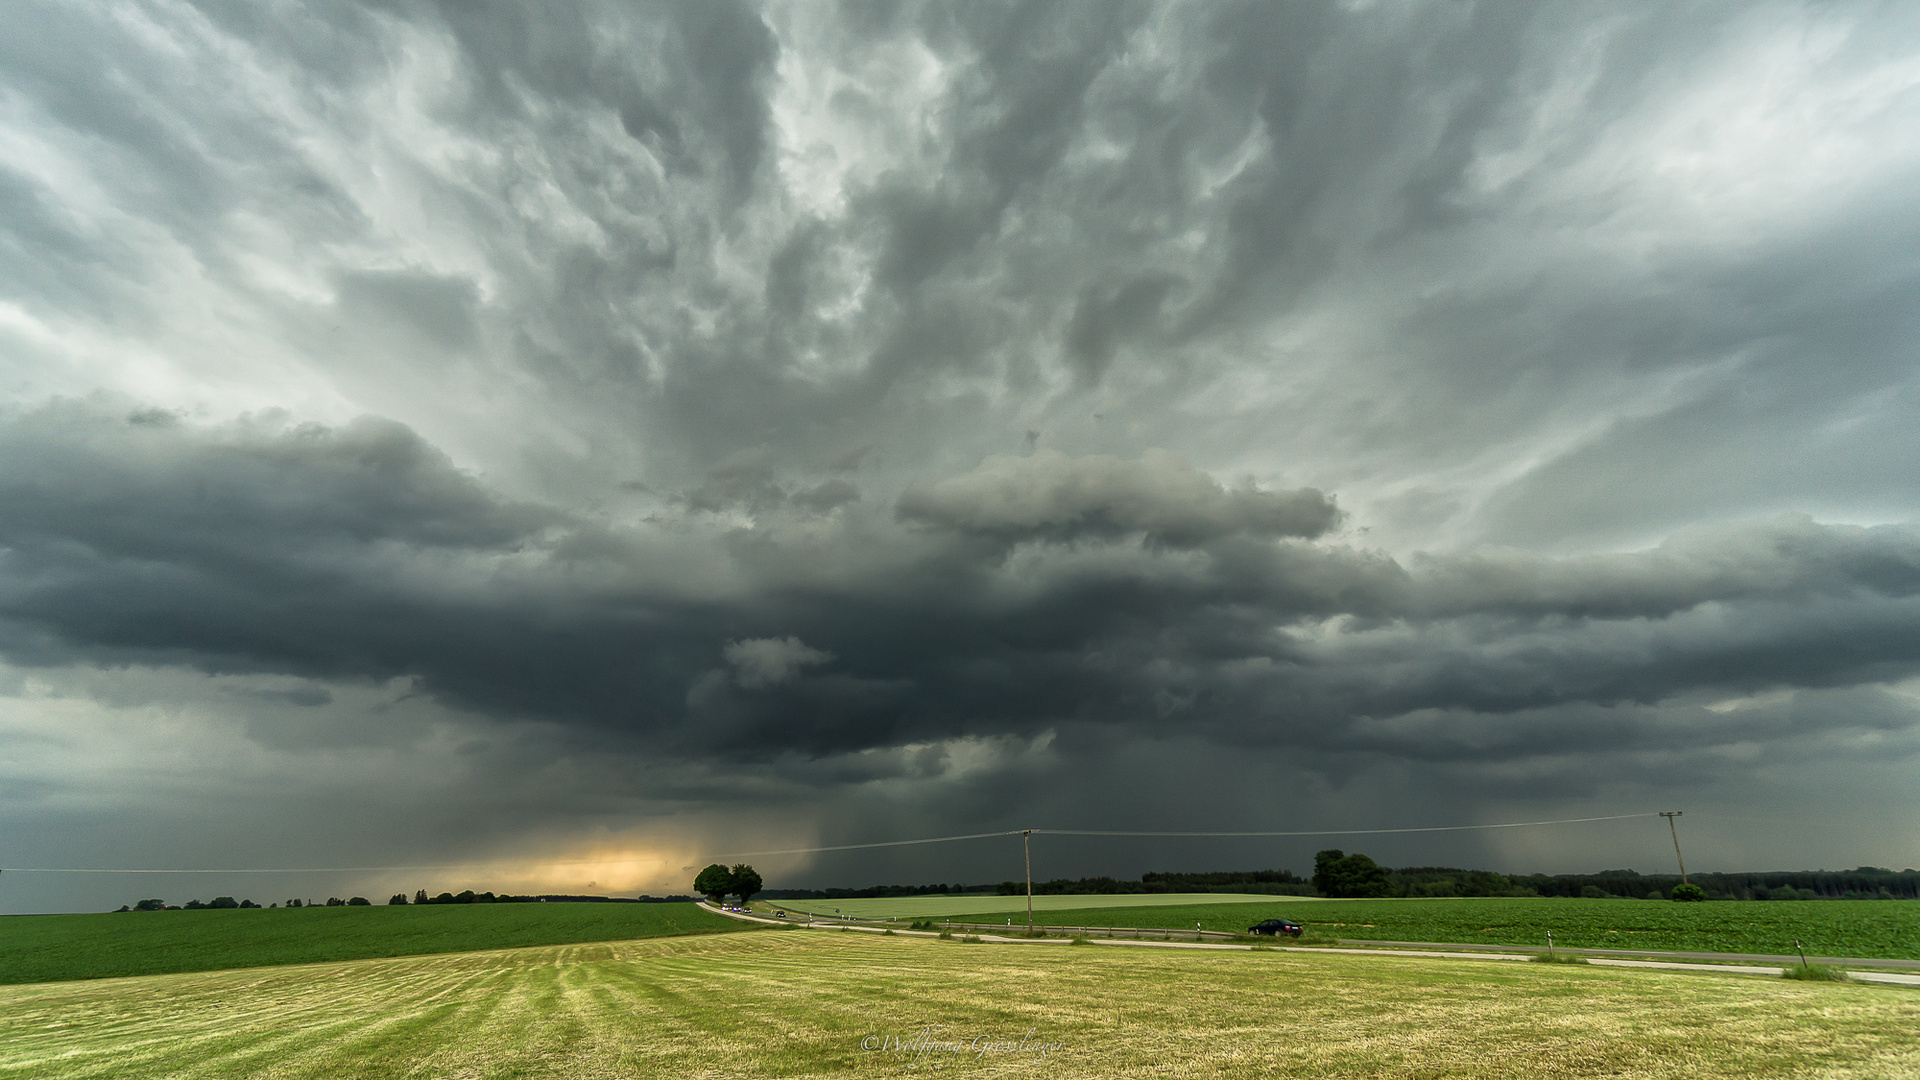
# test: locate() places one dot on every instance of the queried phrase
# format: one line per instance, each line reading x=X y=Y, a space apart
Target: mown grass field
x=804 y=1004
x=38 y=948
x=1864 y=928
x=935 y=907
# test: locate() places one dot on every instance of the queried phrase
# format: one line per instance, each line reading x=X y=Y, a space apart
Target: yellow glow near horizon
x=614 y=872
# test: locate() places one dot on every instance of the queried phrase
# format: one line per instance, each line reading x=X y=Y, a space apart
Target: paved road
x=1673 y=961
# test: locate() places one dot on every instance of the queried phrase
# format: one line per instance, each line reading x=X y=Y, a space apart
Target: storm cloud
x=620 y=427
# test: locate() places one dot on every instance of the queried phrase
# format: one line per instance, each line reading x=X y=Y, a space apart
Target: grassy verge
x=792 y=1005
x=1866 y=928
x=937 y=907
x=45 y=948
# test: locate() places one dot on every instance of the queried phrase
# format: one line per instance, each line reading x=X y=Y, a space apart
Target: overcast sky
x=563 y=442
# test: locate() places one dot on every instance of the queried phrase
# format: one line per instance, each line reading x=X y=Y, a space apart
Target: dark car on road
x=1274 y=927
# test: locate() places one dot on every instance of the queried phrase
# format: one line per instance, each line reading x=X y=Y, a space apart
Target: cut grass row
x=1861 y=928
x=798 y=1005
x=42 y=948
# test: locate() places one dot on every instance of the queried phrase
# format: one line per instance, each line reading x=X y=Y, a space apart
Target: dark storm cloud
x=915 y=410
x=1048 y=495
x=361 y=553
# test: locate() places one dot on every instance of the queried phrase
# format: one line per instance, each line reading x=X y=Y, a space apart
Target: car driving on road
x=1273 y=927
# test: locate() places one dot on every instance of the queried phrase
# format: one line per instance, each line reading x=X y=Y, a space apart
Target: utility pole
x=1670 y=815
x=1026 y=844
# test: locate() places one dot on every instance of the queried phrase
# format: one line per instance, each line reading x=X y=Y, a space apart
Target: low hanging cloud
x=360 y=552
x=764 y=662
x=1051 y=496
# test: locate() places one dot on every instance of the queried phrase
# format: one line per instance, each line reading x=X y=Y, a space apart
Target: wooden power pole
x=1670 y=815
x=1026 y=844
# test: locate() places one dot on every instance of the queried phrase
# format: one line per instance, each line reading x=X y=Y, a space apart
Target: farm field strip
x=805 y=1004
x=36 y=948
x=933 y=907
x=1837 y=928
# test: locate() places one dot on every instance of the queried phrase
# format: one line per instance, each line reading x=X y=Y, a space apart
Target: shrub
x=1689 y=894
x=1815 y=973
x=1558 y=958
x=946 y=935
x=970 y=939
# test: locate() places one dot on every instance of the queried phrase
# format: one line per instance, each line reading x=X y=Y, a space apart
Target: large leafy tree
x=1336 y=873
x=746 y=882
x=715 y=882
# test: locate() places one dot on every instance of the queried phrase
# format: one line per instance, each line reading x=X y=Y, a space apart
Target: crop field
x=1864 y=928
x=802 y=1004
x=936 y=907
x=37 y=948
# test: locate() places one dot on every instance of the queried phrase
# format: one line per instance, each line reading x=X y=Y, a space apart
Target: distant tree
x=359 y=901
x=715 y=882
x=1335 y=873
x=151 y=905
x=334 y=901
x=744 y=882
x=248 y=904
x=122 y=907
x=399 y=899
x=293 y=903
x=1686 y=893
x=420 y=896
x=194 y=905
x=465 y=897
x=223 y=902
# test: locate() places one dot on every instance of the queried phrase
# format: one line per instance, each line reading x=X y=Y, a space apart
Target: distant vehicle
x=1275 y=927
x=779 y=914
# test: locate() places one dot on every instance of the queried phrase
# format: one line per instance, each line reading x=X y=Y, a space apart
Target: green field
x=36 y=948
x=1865 y=928
x=803 y=1004
x=937 y=907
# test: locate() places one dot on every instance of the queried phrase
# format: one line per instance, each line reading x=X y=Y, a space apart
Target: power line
x=848 y=847
x=1105 y=832
x=1347 y=832
x=883 y=843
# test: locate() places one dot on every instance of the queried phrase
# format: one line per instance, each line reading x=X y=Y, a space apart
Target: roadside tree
x=715 y=882
x=746 y=882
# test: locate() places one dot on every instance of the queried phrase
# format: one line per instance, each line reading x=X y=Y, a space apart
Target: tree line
x=1270 y=882
x=420 y=896
x=1340 y=874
